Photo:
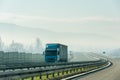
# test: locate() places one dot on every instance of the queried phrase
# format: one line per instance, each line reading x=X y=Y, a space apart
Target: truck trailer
x=55 y=52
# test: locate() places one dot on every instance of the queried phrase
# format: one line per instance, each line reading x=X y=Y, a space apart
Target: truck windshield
x=51 y=53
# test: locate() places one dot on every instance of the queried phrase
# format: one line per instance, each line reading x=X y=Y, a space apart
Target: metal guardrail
x=46 y=67
x=88 y=72
x=14 y=66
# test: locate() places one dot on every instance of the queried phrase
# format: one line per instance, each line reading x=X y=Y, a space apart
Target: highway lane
x=111 y=73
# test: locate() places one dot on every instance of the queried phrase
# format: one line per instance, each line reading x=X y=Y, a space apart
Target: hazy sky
x=88 y=23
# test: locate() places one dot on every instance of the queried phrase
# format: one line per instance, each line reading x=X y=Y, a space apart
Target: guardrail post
x=60 y=73
x=40 y=76
x=32 y=77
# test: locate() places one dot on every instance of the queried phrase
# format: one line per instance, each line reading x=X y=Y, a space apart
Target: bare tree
x=16 y=47
x=38 y=46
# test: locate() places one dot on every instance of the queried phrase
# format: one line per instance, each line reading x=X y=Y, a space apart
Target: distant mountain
x=18 y=33
x=13 y=28
x=23 y=34
x=23 y=30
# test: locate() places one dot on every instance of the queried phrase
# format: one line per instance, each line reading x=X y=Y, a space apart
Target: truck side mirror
x=58 y=53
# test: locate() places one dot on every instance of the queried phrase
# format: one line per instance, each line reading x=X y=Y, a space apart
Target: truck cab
x=54 y=52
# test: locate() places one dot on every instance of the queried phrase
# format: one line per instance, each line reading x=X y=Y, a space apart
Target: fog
x=14 y=46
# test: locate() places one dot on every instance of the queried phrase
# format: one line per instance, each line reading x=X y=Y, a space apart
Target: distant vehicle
x=55 y=52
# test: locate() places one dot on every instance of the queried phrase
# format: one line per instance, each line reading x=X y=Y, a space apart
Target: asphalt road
x=111 y=73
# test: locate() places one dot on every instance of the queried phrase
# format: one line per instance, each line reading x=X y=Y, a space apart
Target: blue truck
x=55 y=52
